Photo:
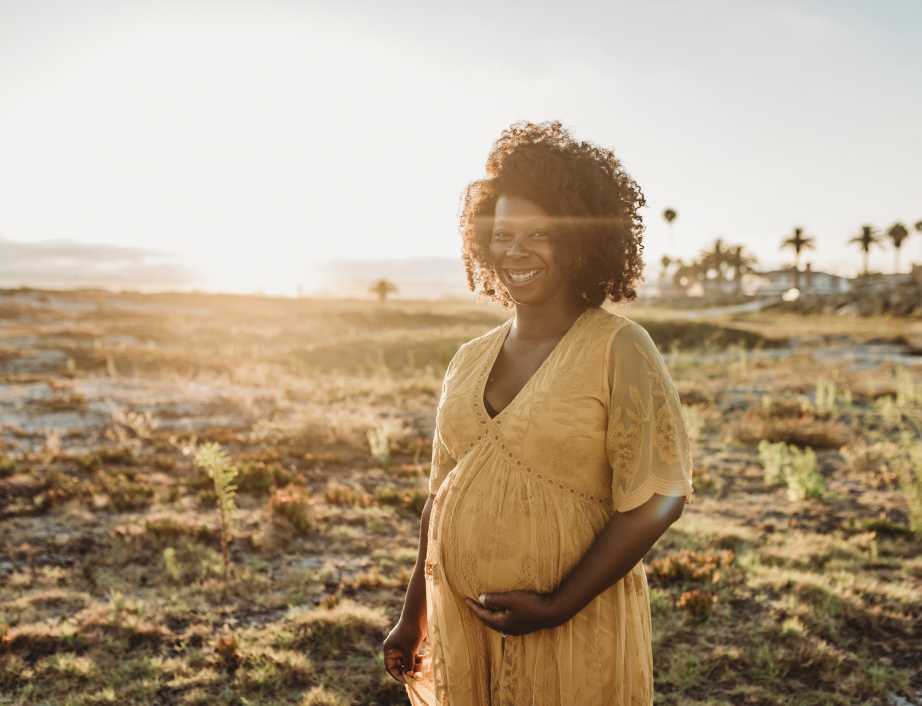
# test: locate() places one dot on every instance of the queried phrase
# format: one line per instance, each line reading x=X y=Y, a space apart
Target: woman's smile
x=521 y=277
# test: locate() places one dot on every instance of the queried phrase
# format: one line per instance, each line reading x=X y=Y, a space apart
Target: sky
x=236 y=143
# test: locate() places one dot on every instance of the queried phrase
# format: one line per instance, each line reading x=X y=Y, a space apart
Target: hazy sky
x=248 y=138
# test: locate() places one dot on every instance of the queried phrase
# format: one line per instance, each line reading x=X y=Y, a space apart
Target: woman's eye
x=499 y=235
x=539 y=234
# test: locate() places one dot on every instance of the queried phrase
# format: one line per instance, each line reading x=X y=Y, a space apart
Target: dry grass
x=111 y=588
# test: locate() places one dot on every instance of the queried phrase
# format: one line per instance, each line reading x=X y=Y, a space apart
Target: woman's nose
x=515 y=248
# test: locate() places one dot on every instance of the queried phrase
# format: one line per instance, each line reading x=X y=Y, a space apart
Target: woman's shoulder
x=620 y=335
x=611 y=323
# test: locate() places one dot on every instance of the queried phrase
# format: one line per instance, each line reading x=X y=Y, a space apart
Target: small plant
x=909 y=470
x=796 y=467
x=380 y=437
x=773 y=458
x=131 y=423
x=875 y=461
x=290 y=506
x=908 y=392
x=117 y=601
x=690 y=565
x=214 y=460
x=694 y=421
x=827 y=397
x=171 y=565
x=889 y=410
x=412 y=500
x=337 y=493
x=698 y=602
x=51 y=446
x=803 y=478
x=256 y=477
x=227 y=648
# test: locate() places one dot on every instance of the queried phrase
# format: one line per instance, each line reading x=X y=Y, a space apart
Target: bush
x=346 y=629
x=410 y=500
x=796 y=467
x=689 y=565
x=337 y=493
x=7 y=466
x=290 y=507
x=697 y=602
x=803 y=430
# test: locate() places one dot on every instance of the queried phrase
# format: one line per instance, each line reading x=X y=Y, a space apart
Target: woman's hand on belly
x=516 y=612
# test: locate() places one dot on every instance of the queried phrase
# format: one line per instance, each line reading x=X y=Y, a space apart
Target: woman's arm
x=623 y=542
x=401 y=645
x=414 y=603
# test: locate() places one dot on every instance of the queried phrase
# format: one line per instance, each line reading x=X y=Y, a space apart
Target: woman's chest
x=560 y=405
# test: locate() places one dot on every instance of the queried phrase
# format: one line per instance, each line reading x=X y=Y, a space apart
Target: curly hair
x=592 y=201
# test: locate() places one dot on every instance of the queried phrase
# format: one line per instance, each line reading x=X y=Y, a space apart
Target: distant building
x=881 y=280
x=776 y=282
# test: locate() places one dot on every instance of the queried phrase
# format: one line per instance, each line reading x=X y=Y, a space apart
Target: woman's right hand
x=401 y=649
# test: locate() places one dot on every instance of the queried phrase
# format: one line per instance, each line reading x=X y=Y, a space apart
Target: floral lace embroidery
x=623 y=444
x=651 y=411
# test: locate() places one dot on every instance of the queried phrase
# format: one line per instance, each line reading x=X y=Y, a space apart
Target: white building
x=777 y=282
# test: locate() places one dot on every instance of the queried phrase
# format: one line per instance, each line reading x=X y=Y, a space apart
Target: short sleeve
x=646 y=440
x=442 y=461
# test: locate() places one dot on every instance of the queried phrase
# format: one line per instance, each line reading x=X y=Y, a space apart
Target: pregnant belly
x=502 y=529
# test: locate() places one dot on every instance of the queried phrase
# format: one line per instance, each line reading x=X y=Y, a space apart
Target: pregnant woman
x=559 y=454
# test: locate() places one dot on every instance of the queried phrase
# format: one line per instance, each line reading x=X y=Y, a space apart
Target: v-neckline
x=494 y=356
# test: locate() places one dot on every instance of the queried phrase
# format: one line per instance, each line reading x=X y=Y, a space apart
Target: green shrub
x=214 y=460
x=796 y=467
x=830 y=399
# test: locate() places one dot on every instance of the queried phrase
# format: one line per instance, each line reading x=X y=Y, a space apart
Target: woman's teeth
x=523 y=277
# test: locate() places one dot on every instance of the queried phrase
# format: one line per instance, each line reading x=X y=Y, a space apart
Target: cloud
x=69 y=263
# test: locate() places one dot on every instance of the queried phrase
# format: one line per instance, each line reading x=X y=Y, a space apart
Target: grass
x=112 y=585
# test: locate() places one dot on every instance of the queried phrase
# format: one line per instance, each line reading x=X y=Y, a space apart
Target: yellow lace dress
x=519 y=498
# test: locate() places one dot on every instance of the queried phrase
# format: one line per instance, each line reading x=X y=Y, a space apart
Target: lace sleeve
x=646 y=441
x=442 y=461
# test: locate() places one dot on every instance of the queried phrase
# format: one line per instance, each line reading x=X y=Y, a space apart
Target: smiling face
x=523 y=252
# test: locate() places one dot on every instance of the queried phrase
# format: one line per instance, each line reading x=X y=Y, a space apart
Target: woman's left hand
x=516 y=612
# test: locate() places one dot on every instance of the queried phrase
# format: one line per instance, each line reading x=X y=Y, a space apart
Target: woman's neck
x=541 y=322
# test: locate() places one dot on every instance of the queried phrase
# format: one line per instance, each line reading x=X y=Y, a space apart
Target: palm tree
x=670 y=215
x=798 y=242
x=685 y=275
x=664 y=263
x=382 y=288
x=740 y=262
x=897 y=234
x=918 y=226
x=714 y=260
x=865 y=240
